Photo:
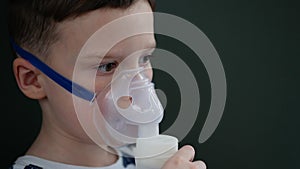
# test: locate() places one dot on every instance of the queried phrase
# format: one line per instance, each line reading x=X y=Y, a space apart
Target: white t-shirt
x=33 y=162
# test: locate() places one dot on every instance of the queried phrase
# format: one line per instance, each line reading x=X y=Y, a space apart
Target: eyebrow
x=114 y=54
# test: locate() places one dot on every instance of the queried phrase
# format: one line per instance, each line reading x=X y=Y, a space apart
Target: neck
x=60 y=147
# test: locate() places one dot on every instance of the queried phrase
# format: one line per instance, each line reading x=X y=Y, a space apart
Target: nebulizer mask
x=129 y=105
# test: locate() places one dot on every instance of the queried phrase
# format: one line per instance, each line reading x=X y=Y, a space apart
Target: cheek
x=74 y=118
x=59 y=110
x=63 y=109
x=102 y=83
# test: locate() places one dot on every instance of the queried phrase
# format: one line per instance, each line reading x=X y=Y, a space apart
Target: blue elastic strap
x=67 y=84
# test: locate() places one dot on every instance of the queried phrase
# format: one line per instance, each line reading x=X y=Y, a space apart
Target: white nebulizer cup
x=153 y=152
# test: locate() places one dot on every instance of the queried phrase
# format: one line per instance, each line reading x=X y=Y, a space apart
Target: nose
x=138 y=59
x=146 y=74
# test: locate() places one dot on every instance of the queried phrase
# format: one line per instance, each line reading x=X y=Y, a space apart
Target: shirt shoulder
x=32 y=162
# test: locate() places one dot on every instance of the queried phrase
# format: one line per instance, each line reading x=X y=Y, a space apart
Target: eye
x=145 y=60
x=107 y=68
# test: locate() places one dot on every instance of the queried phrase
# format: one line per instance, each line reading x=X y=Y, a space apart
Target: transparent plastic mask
x=129 y=106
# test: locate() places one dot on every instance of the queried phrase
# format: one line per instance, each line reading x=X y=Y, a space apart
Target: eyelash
x=145 y=60
x=109 y=67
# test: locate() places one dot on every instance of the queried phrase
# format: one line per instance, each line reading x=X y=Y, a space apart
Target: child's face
x=58 y=108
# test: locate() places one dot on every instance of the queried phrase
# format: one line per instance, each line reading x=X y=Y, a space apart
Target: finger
x=200 y=164
x=186 y=152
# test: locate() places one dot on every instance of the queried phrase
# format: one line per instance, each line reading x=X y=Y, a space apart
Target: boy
x=54 y=32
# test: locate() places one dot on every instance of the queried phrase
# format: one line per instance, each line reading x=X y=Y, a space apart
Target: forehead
x=75 y=32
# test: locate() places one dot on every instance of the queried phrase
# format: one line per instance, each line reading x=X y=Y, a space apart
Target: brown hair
x=32 y=23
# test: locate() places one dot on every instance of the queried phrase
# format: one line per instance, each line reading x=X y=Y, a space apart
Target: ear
x=27 y=77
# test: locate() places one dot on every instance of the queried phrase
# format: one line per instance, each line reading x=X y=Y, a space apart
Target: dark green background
x=258 y=43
